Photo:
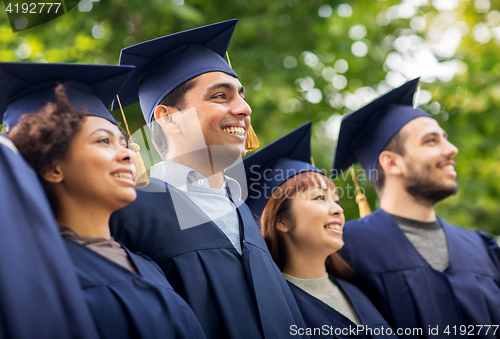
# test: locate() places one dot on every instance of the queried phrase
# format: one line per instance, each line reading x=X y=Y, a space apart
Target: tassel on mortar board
x=141 y=174
x=364 y=207
x=251 y=142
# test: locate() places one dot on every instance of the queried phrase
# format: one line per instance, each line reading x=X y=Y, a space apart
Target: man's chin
x=451 y=185
x=243 y=152
x=431 y=194
x=225 y=155
x=454 y=188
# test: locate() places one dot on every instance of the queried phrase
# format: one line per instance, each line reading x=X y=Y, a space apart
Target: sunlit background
x=318 y=60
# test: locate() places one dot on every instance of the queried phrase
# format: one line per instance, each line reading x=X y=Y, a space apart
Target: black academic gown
x=126 y=305
x=332 y=324
x=233 y=296
x=410 y=293
x=40 y=296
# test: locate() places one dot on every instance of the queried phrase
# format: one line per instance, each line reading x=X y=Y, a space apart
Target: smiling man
x=206 y=130
x=191 y=218
x=428 y=278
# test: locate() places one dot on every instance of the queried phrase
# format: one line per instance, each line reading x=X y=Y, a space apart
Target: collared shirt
x=214 y=202
x=181 y=177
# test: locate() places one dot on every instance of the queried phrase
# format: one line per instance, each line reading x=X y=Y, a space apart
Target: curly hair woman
x=86 y=169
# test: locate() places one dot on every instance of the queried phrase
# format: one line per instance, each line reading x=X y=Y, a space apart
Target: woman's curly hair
x=45 y=136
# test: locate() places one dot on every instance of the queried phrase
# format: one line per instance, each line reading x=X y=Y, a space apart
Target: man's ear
x=391 y=162
x=163 y=115
x=53 y=175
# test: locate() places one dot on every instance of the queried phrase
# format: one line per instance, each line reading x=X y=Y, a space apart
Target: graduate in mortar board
x=191 y=218
x=75 y=146
x=40 y=295
x=418 y=270
x=302 y=221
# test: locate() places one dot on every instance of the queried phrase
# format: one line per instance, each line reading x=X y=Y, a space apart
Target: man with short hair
x=428 y=278
x=191 y=218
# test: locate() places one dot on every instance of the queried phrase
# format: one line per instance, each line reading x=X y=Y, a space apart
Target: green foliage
x=287 y=56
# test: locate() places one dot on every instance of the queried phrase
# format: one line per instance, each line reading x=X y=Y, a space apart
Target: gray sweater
x=328 y=292
x=429 y=240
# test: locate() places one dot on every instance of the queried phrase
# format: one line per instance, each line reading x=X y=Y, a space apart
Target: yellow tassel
x=364 y=207
x=251 y=142
x=228 y=61
x=141 y=174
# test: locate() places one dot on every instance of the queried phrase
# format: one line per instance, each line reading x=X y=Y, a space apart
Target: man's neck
x=400 y=203
x=211 y=164
x=216 y=180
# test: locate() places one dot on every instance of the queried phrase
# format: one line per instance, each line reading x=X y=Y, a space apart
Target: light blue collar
x=183 y=177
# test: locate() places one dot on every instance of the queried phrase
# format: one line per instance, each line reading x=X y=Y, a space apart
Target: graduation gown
x=410 y=293
x=40 y=296
x=233 y=296
x=317 y=314
x=127 y=305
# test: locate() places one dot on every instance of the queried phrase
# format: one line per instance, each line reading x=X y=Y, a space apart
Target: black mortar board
x=164 y=63
x=27 y=87
x=365 y=132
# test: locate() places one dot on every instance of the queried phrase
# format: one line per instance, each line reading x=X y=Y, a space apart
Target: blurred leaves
x=317 y=60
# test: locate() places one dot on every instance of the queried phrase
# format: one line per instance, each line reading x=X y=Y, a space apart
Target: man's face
x=223 y=113
x=428 y=171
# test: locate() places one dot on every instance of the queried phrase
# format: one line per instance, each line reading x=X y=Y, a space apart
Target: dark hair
x=279 y=206
x=173 y=99
x=396 y=145
x=45 y=136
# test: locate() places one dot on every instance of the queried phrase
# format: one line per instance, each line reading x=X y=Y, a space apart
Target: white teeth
x=449 y=168
x=123 y=175
x=333 y=227
x=235 y=130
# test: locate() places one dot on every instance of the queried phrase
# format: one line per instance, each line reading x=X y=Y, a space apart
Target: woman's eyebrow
x=104 y=130
x=109 y=132
x=319 y=188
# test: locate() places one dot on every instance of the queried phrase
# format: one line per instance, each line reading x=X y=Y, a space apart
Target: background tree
x=317 y=60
